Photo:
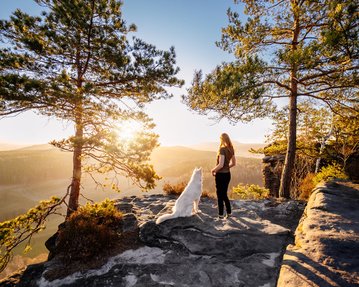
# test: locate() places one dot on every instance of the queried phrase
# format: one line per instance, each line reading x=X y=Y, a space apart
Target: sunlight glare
x=129 y=130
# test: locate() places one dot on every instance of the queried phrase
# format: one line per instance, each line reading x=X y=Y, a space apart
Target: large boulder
x=326 y=247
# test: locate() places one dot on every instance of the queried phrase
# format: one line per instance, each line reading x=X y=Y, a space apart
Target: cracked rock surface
x=243 y=250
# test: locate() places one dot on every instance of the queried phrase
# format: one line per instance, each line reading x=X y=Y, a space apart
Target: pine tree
x=293 y=49
x=77 y=62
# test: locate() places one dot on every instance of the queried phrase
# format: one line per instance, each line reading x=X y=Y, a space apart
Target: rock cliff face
x=352 y=167
x=326 y=250
x=272 y=170
x=243 y=250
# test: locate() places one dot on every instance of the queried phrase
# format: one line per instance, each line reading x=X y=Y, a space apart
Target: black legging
x=222 y=181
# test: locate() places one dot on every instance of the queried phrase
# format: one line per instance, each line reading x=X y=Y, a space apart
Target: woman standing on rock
x=225 y=160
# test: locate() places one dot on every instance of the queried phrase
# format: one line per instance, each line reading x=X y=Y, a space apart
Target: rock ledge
x=326 y=250
x=202 y=250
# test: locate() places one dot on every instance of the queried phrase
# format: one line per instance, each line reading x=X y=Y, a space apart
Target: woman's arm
x=219 y=165
x=233 y=161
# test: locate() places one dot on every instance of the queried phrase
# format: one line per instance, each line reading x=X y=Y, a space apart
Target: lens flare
x=129 y=130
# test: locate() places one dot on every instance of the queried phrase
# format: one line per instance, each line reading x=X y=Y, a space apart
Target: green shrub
x=89 y=232
x=311 y=180
x=329 y=172
x=306 y=186
x=249 y=191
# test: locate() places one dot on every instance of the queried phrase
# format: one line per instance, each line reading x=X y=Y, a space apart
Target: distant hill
x=165 y=157
x=34 y=173
x=40 y=163
x=240 y=148
x=39 y=147
x=33 y=165
x=9 y=146
x=16 y=147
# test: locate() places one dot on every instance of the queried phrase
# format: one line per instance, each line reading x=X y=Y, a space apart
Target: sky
x=192 y=27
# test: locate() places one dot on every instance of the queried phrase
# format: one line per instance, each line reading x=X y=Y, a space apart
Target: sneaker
x=229 y=215
x=220 y=216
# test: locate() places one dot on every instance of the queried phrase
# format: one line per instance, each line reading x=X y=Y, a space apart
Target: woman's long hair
x=226 y=142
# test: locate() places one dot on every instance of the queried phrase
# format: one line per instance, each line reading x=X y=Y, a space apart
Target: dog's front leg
x=195 y=206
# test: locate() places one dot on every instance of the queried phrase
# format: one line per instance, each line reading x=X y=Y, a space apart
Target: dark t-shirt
x=226 y=152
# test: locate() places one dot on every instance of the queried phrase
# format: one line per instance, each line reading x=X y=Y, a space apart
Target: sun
x=129 y=130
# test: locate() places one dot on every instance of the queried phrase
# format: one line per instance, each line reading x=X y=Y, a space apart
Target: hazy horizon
x=8 y=145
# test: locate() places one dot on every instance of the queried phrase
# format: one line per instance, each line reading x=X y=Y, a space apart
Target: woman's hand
x=233 y=161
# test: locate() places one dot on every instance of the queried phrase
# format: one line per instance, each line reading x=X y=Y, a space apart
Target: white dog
x=188 y=200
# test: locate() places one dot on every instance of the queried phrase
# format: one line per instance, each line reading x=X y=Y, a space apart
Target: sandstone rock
x=201 y=250
x=52 y=243
x=129 y=223
x=352 y=167
x=272 y=169
x=124 y=207
x=327 y=241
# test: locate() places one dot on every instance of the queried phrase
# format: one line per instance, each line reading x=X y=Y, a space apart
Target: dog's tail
x=165 y=217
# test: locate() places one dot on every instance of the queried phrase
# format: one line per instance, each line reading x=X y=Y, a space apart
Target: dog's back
x=191 y=193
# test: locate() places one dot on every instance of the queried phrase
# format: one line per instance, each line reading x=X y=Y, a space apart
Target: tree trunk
x=284 y=189
x=77 y=166
x=78 y=144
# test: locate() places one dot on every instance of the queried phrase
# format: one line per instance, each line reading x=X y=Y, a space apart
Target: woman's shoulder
x=223 y=150
x=230 y=151
x=226 y=150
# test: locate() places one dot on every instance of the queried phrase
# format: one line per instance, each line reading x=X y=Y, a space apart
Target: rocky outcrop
x=202 y=250
x=272 y=170
x=326 y=250
x=352 y=167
